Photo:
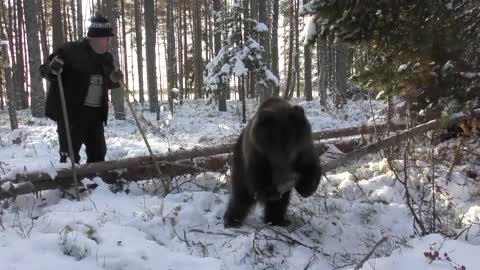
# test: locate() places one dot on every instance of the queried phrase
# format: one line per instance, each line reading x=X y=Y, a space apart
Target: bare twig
x=360 y=264
x=456 y=159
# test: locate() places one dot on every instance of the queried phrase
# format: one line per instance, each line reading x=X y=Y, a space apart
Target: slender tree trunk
x=124 y=45
x=3 y=36
x=74 y=19
x=197 y=48
x=139 y=46
x=22 y=98
x=67 y=29
x=275 y=55
x=289 y=87
x=118 y=96
x=79 y=20
x=180 y=51
x=150 y=40
x=331 y=67
x=206 y=27
x=210 y=18
x=222 y=101
x=185 y=50
x=171 y=61
x=322 y=55
x=7 y=71
x=307 y=56
x=57 y=30
x=43 y=31
x=132 y=41
x=297 y=48
x=36 y=85
x=161 y=36
x=307 y=87
x=341 y=74
x=253 y=75
x=266 y=90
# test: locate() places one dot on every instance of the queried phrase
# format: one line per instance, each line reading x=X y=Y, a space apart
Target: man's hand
x=56 y=65
x=116 y=76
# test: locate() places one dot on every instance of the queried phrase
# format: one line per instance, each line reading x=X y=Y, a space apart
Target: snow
x=261 y=27
x=353 y=208
x=309 y=30
x=413 y=257
x=402 y=68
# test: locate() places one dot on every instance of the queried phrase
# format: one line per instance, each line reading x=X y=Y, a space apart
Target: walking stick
x=166 y=185
x=69 y=138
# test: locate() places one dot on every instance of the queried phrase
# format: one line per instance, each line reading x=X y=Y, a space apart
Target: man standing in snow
x=87 y=72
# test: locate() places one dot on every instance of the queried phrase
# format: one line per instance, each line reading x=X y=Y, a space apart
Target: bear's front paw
x=229 y=222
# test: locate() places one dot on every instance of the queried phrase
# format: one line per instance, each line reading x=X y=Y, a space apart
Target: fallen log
x=193 y=161
x=43 y=181
x=135 y=171
x=99 y=168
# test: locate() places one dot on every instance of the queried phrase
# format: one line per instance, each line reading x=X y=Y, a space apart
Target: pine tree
x=424 y=50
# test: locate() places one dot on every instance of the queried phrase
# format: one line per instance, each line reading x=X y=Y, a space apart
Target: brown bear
x=273 y=155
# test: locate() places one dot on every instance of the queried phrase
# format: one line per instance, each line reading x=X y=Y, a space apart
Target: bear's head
x=280 y=132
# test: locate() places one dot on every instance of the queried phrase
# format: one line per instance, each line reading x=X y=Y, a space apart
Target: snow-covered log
x=193 y=161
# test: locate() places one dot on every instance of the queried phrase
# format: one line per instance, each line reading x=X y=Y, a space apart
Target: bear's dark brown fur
x=273 y=155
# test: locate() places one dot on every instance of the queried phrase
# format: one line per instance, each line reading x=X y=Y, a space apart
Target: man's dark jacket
x=80 y=63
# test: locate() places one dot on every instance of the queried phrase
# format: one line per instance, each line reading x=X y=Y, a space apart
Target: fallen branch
x=395 y=140
x=360 y=264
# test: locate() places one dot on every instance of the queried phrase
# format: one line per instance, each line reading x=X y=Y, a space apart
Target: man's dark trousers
x=91 y=134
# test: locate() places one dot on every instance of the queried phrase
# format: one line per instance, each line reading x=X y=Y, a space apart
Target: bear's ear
x=297 y=111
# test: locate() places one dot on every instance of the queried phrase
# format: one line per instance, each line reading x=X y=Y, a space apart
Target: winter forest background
x=391 y=89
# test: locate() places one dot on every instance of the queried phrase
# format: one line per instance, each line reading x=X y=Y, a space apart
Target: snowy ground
x=353 y=209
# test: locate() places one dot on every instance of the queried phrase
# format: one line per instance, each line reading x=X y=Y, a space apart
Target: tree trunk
x=307 y=87
x=331 y=67
x=139 y=47
x=43 y=32
x=185 y=51
x=36 y=85
x=265 y=90
x=322 y=71
x=307 y=56
x=118 y=98
x=222 y=100
x=7 y=72
x=79 y=20
x=275 y=55
x=297 y=48
x=180 y=28
x=57 y=30
x=171 y=59
x=150 y=39
x=341 y=75
x=3 y=37
x=19 y=75
x=67 y=29
x=124 y=45
x=197 y=48
x=290 y=84
x=74 y=19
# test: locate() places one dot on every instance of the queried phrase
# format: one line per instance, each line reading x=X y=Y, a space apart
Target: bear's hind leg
x=237 y=209
x=275 y=211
